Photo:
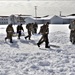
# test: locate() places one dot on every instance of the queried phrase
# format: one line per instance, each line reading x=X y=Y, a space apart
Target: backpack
x=41 y=29
x=72 y=25
x=27 y=26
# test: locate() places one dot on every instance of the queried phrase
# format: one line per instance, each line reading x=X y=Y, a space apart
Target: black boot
x=25 y=38
x=11 y=42
x=18 y=37
x=5 y=39
x=38 y=45
x=47 y=47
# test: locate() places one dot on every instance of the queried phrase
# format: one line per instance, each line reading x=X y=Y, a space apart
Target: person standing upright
x=9 y=31
x=44 y=30
x=29 y=28
x=19 y=29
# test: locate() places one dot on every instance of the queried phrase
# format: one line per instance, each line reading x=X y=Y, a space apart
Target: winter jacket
x=9 y=31
x=44 y=30
x=29 y=27
x=19 y=28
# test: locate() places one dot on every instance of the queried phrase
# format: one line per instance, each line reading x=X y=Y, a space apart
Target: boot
x=38 y=45
x=25 y=38
x=47 y=47
x=11 y=42
x=5 y=39
x=18 y=37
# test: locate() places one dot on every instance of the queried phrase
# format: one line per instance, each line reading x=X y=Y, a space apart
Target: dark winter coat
x=19 y=28
x=44 y=29
x=29 y=26
x=9 y=31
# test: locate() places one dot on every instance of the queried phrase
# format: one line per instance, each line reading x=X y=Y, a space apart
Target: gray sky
x=44 y=7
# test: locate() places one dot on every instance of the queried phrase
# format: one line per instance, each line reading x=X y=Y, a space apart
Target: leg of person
x=11 y=41
x=29 y=35
x=73 y=39
x=70 y=37
x=46 y=42
x=35 y=30
x=40 y=41
x=10 y=38
x=19 y=34
x=7 y=37
x=26 y=36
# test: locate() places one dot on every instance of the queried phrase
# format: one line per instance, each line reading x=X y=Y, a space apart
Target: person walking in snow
x=19 y=30
x=72 y=31
x=29 y=28
x=9 y=31
x=44 y=30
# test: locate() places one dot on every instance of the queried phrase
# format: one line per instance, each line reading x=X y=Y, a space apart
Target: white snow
x=23 y=57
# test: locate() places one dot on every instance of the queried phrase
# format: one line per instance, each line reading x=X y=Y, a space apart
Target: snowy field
x=23 y=57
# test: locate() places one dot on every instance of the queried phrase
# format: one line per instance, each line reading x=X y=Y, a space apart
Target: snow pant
x=35 y=30
x=19 y=34
x=72 y=36
x=9 y=36
x=29 y=35
x=44 y=38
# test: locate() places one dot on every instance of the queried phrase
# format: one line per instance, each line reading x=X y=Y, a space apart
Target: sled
x=56 y=46
x=16 y=34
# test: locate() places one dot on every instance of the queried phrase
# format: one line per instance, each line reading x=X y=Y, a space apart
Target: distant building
x=29 y=20
x=68 y=19
x=12 y=19
x=25 y=19
x=4 y=20
x=33 y=20
x=46 y=19
x=61 y=19
x=38 y=20
x=56 y=20
x=17 y=19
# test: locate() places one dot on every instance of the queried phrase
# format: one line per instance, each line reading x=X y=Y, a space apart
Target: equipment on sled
x=16 y=34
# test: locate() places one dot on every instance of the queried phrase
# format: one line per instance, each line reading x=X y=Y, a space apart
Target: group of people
x=31 y=29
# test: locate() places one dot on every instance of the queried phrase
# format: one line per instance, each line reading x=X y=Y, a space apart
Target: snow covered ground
x=23 y=57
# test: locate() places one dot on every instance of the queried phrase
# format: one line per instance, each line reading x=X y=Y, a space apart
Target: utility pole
x=60 y=13
x=35 y=11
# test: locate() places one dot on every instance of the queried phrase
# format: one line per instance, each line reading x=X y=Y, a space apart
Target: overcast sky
x=44 y=7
